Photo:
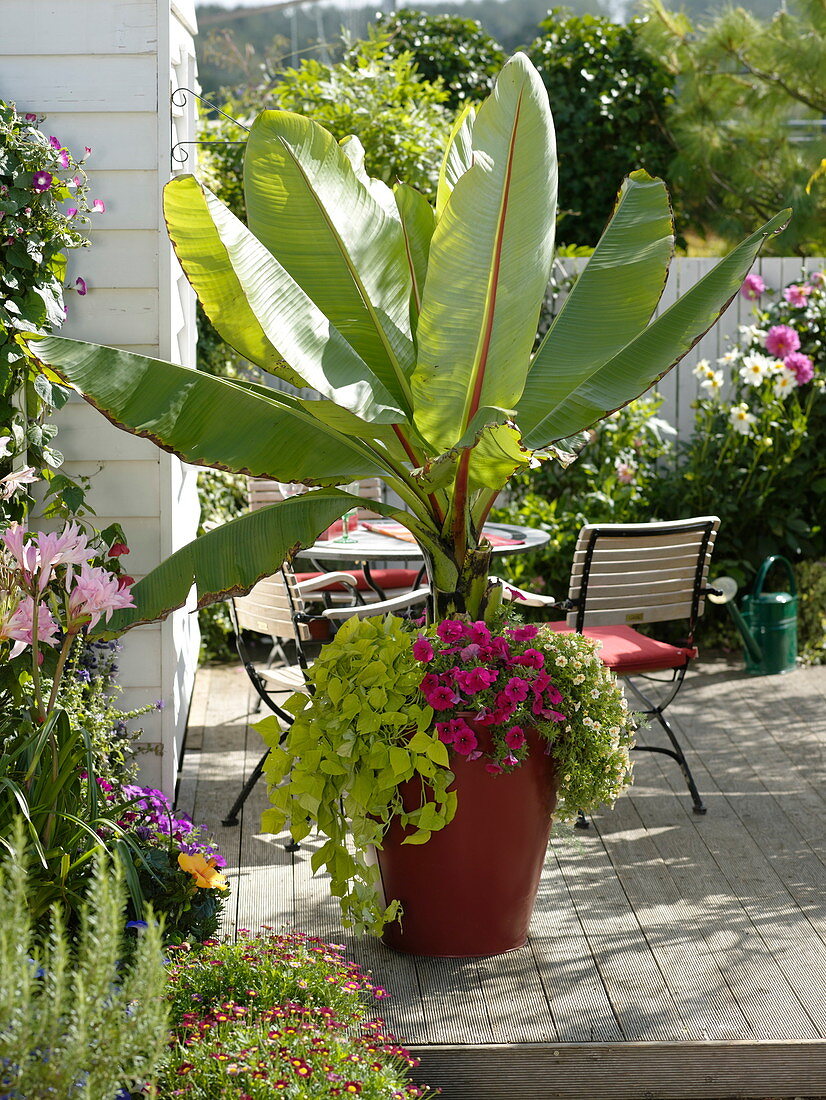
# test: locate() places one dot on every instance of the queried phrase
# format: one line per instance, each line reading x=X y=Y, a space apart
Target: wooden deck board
x=659 y=936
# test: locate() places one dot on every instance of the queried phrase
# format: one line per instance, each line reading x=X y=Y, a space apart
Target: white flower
x=579 y=679
x=13 y=481
x=561 y=661
x=785 y=382
x=702 y=367
x=731 y=356
x=4 y=445
x=741 y=419
x=713 y=383
x=753 y=333
x=755 y=369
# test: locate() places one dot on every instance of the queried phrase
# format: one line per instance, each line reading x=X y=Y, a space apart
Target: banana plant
x=415 y=328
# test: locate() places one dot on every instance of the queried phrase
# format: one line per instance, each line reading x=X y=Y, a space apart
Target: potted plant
x=441 y=757
x=415 y=327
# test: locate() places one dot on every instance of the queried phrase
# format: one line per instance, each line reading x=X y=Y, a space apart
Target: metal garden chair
x=625 y=575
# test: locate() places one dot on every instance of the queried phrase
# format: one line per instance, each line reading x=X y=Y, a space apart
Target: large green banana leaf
x=458 y=156
x=418 y=223
x=490 y=258
x=563 y=398
x=250 y=290
x=229 y=560
x=307 y=204
x=206 y=420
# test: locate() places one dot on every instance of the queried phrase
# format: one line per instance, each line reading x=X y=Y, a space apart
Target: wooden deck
x=671 y=955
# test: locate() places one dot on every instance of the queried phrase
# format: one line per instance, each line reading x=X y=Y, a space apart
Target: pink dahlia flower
x=796 y=295
x=781 y=340
x=753 y=286
x=802 y=366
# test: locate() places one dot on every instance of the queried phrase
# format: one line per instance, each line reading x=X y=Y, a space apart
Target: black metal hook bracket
x=179 y=153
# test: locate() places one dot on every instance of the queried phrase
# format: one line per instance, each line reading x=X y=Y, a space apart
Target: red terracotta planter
x=470 y=890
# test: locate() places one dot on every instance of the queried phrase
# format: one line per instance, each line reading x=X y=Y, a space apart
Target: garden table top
x=372 y=545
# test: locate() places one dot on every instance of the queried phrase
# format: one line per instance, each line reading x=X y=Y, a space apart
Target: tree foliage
x=450 y=48
x=744 y=126
x=609 y=98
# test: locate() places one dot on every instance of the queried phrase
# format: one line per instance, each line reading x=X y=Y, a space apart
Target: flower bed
x=278 y=1014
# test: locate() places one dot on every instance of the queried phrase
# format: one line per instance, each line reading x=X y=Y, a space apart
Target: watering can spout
x=722 y=591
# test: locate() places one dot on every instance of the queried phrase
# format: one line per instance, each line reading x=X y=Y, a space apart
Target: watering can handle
x=763 y=573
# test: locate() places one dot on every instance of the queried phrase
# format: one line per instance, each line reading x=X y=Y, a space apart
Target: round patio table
x=366 y=546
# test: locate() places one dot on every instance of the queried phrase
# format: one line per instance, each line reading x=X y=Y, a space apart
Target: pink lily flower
x=96 y=593
x=19 y=626
x=13 y=481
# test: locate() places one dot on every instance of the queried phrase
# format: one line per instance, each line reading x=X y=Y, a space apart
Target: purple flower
x=80 y=286
x=42 y=181
x=29 y=117
x=523 y=633
x=441 y=698
x=55 y=143
x=465 y=742
x=753 y=286
x=781 y=340
x=99 y=206
x=801 y=365
x=63 y=158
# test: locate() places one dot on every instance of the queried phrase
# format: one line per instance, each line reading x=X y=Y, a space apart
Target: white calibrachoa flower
x=741 y=419
x=756 y=369
x=785 y=382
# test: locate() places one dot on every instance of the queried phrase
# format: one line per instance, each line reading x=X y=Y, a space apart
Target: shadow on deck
x=670 y=955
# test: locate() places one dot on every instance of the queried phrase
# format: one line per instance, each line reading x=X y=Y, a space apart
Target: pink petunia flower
x=422 y=649
x=801 y=365
x=515 y=737
x=516 y=689
x=450 y=630
x=781 y=340
x=523 y=633
x=753 y=286
x=42 y=181
x=477 y=633
x=476 y=679
x=796 y=295
x=441 y=698
x=494 y=769
x=465 y=742
x=531 y=658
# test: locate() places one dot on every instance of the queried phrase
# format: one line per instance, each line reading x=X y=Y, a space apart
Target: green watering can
x=768 y=623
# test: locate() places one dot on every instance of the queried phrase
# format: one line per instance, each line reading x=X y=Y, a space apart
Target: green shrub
x=811 y=625
x=73 y=1021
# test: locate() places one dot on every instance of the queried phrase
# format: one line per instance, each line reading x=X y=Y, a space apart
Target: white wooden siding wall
x=680 y=388
x=102 y=71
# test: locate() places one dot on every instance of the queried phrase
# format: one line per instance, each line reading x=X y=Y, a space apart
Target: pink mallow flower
x=801 y=365
x=19 y=626
x=753 y=286
x=422 y=650
x=796 y=295
x=781 y=340
x=96 y=593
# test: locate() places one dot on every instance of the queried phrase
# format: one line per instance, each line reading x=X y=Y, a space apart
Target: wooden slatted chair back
x=271 y=606
x=627 y=574
x=262 y=492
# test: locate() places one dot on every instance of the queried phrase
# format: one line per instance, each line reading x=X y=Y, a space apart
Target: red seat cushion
x=386 y=579
x=626 y=651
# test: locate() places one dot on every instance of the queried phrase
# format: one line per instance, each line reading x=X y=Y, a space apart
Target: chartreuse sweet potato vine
x=367 y=728
x=361 y=734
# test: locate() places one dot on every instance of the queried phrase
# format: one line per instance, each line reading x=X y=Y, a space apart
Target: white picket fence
x=680 y=388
